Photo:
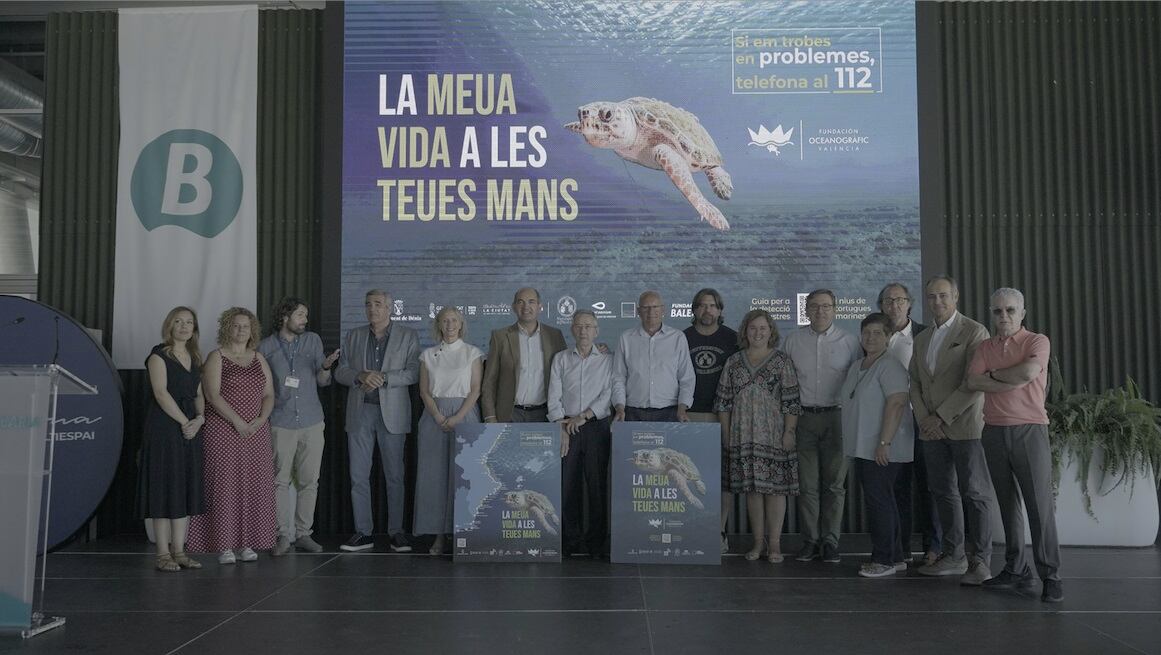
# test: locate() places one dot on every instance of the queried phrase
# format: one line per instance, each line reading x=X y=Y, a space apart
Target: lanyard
x=288 y=353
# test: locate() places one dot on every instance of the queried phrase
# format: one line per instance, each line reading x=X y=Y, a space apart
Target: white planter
x=1121 y=519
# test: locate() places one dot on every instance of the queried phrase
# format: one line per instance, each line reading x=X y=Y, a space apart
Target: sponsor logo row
x=564 y=307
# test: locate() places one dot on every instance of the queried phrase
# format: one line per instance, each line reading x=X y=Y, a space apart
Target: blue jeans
x=360 y=448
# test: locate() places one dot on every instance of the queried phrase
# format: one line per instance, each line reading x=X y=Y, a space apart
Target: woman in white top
x=877 y=434
x=449 y=384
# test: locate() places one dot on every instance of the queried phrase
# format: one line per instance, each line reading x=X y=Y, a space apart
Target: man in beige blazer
x=519 y=363
x=951 y=421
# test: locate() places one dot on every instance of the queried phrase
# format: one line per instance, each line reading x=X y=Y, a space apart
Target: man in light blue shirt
x=822 y=352
x=299 y=367
x=579 y=392
x=653 y=377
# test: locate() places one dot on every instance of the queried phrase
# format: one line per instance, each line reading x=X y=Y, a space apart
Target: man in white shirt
x=895 y=301
x=515 y=384
x=951 y=420
x=822 y=352
x=579 y=392
x=653 y=377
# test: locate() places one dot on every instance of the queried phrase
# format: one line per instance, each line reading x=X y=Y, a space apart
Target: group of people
x=961 y=412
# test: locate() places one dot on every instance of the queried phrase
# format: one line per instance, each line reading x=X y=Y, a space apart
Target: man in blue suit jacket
x=378 y=362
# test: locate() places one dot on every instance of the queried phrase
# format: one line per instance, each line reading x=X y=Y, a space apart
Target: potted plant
x=1104 y=443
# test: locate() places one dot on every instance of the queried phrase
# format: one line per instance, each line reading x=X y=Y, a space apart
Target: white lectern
x=28 y=397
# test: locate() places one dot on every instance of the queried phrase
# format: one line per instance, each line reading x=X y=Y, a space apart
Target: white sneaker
x=945 y=565
x=247 y=555
x=874 y=570
x=226 y=557
x=725 y=545
x=900 y=567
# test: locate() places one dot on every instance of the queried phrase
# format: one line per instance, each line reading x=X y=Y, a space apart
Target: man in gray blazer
x=951 y=421
x=378 y=362
x=516 y=373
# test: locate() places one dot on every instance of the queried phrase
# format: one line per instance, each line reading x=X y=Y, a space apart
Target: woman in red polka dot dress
x=239 y=464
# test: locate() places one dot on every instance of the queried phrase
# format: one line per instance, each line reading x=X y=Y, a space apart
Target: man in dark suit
x=519 y=363
x=378 y=362
x=895 y=301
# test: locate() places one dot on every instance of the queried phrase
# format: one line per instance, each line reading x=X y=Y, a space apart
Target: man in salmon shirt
x=1011 y=369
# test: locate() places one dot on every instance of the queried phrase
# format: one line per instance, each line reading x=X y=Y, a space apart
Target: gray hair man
x=378 y=362
x=895 y=301
x=1011 y=369
x=653 y=377
x=579 y=394
x=951 y=419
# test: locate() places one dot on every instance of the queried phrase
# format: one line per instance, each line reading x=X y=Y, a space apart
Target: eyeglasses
x=813 y=307
x=999 y=311
x=896 y=301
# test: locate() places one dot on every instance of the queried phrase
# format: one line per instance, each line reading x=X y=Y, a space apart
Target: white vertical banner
x=187 y=229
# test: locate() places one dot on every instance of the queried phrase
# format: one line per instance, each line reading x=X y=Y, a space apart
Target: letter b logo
x=187 y=178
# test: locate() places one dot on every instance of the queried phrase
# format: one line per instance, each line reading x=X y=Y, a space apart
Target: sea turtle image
x=657 y=135
x=677 y=465
x=537 y=504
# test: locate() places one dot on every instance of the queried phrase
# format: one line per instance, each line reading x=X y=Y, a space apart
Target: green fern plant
x=1125 y=426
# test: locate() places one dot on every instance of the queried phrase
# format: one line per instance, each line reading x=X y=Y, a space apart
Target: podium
x=28 y=401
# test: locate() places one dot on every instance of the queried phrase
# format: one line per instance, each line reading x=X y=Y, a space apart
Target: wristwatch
x=884 y=443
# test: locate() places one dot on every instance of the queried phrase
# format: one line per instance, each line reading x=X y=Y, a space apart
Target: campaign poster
x=594 y=150
x=507 y=493
x=666 y=493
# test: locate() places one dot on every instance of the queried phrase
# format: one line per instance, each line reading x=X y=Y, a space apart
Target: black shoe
x=830 y=554
x=399 y=543
x=809 y=551
x=1052 y=593
x=1009 y=580
x=358 y=542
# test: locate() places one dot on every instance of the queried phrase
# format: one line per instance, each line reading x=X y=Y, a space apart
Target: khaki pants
x=297 y=455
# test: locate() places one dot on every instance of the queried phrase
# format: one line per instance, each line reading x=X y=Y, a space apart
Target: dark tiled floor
x=331 y=602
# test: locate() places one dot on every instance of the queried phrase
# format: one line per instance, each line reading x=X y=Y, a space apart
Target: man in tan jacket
x=951 y=421
x=515 y=387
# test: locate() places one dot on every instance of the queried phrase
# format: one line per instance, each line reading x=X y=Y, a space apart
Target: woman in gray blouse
x=876 y=434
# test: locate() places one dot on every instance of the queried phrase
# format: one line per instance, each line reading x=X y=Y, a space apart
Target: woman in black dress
x=170 y=486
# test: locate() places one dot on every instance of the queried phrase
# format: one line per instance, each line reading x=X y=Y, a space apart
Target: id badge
x=290 y=382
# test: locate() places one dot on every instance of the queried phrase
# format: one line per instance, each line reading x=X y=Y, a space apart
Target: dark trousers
x=960 y=482
x=529 y=415
x=584 y=477
x=1020 y=461
x=882 y=512
x=902 y=491
x=927 y=512
x=650 y=414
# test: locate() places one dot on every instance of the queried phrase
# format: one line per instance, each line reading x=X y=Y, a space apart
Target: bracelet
x=884 y=443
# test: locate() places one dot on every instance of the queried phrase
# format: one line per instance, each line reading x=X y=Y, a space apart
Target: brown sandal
x=185 y=561
x=165 y=563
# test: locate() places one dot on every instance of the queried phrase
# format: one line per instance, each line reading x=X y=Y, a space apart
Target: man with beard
x=299 y=367
x=710 y=344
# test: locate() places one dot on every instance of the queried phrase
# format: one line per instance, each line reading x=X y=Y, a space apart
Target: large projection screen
x=463 y=181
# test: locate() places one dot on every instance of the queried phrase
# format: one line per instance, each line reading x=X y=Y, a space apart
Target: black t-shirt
x=709 y=355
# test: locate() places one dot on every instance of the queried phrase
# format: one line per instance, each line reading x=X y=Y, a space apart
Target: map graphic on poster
x=666 y=493
x=507 y=493
x=595 y=150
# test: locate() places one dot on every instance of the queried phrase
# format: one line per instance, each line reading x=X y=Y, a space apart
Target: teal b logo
x=187 y=178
